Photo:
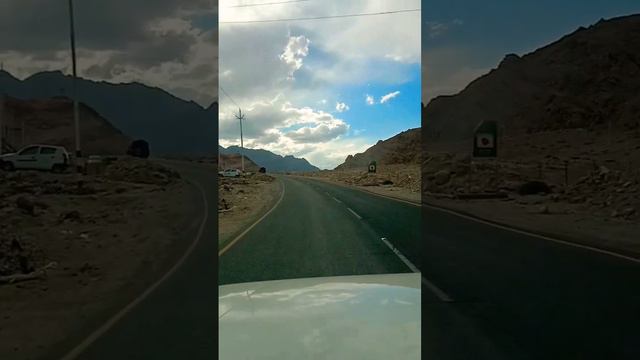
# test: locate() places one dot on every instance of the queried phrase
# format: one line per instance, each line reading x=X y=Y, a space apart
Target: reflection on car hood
x=344 y=317
x=7 y=155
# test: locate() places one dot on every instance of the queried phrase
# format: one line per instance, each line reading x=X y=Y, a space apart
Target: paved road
x=521 y=297
x=178 y=320
x=320 y=229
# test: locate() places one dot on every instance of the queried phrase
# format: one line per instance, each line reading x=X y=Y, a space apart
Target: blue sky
x=376 y=122
x=304 y=85
x=465 y=39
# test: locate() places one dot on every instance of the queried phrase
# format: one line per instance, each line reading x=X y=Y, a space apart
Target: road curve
x=178 y=319
x=320 y=229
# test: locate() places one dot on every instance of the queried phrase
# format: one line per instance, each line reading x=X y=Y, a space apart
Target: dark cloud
x=115 y=39
x=100 y=24
x=198 y=72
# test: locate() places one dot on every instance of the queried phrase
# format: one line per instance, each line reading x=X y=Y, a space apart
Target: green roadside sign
x=485 y=139
x=372 y=166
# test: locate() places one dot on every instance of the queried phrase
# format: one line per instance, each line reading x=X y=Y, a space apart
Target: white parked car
x=231 y=173
x=37 y=157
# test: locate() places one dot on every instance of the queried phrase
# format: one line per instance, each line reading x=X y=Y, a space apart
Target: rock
x=534 y=187
x=583 y=180
x=626 y=212
x=604 y=170
x=26 y=205
x=577 y=200
x=442 y=177
x=73 y=215
x=615 y=214
x=543 y=209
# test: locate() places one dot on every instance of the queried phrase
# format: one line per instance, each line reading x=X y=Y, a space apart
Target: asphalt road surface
x=177 y=320
x=522 y=297
x=320 y=229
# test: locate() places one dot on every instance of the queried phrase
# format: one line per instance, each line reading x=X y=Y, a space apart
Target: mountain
x=170 y=125
x=234 y=161
x=50 y=121
x=588 y=79
x=272 y=162
x=403 y=148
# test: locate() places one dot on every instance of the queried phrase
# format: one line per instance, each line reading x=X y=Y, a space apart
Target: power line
x=230 y=98
x=321 y=17
x=269 y=3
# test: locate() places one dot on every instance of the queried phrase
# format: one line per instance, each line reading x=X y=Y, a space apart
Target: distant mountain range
x=272 y=162
x=172 y=126
x=403 y=148
x=588 y=79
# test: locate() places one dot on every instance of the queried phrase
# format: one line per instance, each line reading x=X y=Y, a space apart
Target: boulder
x=442 y=177
x=534 y=187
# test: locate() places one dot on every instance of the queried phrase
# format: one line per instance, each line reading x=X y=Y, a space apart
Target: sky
x=171 y=44
x=318 y=89
x=464 y=39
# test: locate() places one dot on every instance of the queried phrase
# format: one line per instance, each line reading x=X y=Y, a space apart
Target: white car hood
x=344 y=317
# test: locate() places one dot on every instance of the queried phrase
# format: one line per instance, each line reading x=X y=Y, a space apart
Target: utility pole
x=1 y=121
x=241 y=117
x=75 y=88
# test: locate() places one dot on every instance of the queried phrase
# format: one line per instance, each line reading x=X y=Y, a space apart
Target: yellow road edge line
x=76 y=351
x=532 y=234
x=237 y=238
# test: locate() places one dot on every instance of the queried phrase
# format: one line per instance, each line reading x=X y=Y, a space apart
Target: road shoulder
x=107 y=249
x=389 y=192
x=578 y=230
x=242 y=202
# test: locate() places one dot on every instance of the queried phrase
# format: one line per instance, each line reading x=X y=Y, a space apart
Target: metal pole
x=1 y=121
x=75 y=89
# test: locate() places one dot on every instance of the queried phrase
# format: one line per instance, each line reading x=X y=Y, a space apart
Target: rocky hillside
x=51 y=121
x=272 y=162
x=587 y=79
x=403 y=148
x=172 y=126
x=234 y=161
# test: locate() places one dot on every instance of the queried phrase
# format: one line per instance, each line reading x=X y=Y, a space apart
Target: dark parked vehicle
x=139 y=148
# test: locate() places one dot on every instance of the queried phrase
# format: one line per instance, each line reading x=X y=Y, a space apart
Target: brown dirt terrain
x=401 y=181
x=234 y=161
x=50 y=121
x=591 y=185
x=403 y=148
x=241 y=201
x=102 y=239
x=568 y=140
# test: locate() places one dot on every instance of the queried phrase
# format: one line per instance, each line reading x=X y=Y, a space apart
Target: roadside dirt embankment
x=75 y=248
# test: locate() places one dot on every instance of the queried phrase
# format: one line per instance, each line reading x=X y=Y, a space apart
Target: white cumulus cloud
x=369 y=99
x=341 y=107
x=294 y=53
x=389 y=96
